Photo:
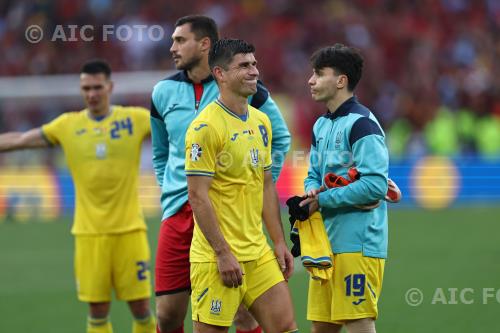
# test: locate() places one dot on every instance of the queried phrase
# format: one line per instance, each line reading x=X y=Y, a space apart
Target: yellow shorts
x=215 y=304
x=104 y=262
x=352 y=293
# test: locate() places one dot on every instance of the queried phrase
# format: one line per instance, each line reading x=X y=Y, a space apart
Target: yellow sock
x=99 y=325
x=144 y=325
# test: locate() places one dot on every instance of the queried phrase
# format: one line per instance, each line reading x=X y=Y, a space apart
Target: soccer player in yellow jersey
x=230 y=188
x=102 y=145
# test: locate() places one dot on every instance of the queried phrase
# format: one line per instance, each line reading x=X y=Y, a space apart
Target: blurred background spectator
x=431 y=67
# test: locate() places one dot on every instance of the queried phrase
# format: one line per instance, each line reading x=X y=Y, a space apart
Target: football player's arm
x=229 y=268
x=159 y=139
x=313 y=181
x=371 y=158
x=280 y=143
x=272 y=221
x=22 y=140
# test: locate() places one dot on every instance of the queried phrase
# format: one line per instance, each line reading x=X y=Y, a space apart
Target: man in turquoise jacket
x=348 y=135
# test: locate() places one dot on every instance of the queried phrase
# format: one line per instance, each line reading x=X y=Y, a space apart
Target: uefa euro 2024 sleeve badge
x=195 y=152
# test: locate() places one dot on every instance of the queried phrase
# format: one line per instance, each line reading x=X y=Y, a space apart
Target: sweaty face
x=96 y=90
x=185 y=49
x=323 y=84
x=242 y=74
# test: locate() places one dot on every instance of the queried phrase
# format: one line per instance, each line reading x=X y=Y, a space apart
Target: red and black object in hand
x=332 y=180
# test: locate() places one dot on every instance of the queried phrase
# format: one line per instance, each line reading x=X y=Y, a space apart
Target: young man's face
x=185 y=49
x=242 y=74
x=96 y=91
x=324 y=84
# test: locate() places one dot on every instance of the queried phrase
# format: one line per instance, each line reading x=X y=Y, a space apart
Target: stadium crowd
x=430 y=77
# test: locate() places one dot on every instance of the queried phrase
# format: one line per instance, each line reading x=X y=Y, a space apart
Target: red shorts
x=172 y=254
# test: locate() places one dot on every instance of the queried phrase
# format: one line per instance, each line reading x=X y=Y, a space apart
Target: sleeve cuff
x=199 y=173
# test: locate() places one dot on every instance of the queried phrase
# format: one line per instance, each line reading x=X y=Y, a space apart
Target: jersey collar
x=185 y=78
x=343 y=110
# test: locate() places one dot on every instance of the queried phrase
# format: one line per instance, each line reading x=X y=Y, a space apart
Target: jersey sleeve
x=371 y=158
x=202 y=146
x=267 y=136
x=313 y=180
x=53 y=132
x=142 y=122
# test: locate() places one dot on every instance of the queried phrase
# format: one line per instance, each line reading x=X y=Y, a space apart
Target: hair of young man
x=222 y=52
x=96 y=66
x=201 y=26
x=343 y=60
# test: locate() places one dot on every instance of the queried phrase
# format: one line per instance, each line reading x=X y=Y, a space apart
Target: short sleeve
x=54 y=130
x=202 y=146
x=142 y=120
x=268 y=159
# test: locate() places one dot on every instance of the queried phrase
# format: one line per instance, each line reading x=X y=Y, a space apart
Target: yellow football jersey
x=235 y=152
x=103 y=157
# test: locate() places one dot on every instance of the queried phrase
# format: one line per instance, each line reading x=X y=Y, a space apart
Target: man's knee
x=171 y=311
x=99 y=310
x=365 y=325
x=140 y=308
x=243 y=320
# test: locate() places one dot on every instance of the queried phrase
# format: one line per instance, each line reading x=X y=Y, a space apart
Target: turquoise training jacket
x=173 y=108
x=351 y=136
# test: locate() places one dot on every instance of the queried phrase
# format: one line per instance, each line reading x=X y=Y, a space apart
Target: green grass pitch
x=432 y=251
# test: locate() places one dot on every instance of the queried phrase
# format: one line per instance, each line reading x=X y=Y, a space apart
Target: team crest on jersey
x=338 y=140
x=215 y=306
x=195 y=152
x=254 y=157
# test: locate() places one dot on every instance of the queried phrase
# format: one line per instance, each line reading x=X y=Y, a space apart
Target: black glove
x=296 y=213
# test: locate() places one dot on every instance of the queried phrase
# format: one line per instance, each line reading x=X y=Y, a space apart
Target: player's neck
x=199 y=73
x=237 y=104
x=334 y=103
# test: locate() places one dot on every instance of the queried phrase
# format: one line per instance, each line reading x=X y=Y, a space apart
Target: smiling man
x=231 y=190
x=176 y=102
x=102 y=145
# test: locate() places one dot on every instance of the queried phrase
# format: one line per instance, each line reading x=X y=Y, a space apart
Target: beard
x=189 y=64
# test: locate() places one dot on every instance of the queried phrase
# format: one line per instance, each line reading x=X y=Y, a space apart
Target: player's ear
x=341 y=81
x=218 y=73
x=205 y=44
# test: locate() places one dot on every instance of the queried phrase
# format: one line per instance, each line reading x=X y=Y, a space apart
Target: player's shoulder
x=210 y=118
x=170 y=82
x=72 y=115
x=258 y=115
x=130 y=109
x=210 y=114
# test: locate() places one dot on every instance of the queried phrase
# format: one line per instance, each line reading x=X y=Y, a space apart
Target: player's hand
x=314 y=192
x=313 y=204
x=285 y=259
x=229 y=269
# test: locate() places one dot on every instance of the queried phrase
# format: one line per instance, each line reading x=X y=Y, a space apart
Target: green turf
x=456 y=248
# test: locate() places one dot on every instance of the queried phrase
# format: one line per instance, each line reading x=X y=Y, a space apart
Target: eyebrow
x=95 y=86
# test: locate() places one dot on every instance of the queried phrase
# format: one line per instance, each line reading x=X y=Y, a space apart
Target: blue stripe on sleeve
x=154 y=111
x=364 y=126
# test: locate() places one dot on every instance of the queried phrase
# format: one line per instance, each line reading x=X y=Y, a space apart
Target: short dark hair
x=96 y=66
x=202 y=26
x=223 y=51
x=342 y=59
